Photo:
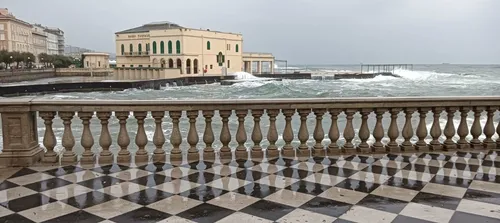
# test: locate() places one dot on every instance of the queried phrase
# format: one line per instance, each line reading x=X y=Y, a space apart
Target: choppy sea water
x=423 y=80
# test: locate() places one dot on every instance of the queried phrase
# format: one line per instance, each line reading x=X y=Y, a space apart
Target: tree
x=17 y=57
x=28 y=58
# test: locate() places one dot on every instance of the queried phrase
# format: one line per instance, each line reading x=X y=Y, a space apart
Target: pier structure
x=384 y=68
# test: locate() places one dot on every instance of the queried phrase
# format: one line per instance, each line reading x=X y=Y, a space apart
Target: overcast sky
x=301 y=31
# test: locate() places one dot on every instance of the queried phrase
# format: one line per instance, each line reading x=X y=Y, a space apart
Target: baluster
x=498 y=133
x=68 y=141
x=141 y=140
x=272 y=134
x=349 y=132
x=476 y=129
x=159 y=137
x=257 y=134
x=364 y=132
x=208 y=136
x=241 y=135
x=319 y=133
x=193 y=153
x=449 y=130
x=393 y=131
x=407 y=146
x=436 y=130
x=105 y=139
x=87 y=141
x=175 y=138
x=489 y=129
x=463 y=129
x=378 y=132
x=225 y=135
x=334 y=134
x=303 y=132
x=123 y=138
x=49 y=138
x=422 y=133
x=288 y=150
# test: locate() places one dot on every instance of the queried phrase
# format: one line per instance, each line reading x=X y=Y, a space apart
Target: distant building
x=39 y=41
x=193 y=51
x=15 y=34
x=96 y=60
x=59 y=39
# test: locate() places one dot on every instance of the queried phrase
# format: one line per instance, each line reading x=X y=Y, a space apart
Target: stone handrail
x=405 y=130
x=78 y=70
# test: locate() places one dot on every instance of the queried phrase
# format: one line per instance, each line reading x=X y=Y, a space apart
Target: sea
x=422 y=80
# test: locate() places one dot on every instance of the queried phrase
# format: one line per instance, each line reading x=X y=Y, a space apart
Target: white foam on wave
x=243 y=76
x=418 y=75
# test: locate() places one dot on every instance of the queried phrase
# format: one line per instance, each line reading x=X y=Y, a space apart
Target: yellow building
x=168 y=45
x=15 y=34
x=95 y=60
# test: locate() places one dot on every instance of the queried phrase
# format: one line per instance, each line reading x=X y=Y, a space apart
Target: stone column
x=259 y=67
x=271 y=64
x=20 y=139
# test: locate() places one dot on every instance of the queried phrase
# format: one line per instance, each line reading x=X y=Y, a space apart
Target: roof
x=151 y=26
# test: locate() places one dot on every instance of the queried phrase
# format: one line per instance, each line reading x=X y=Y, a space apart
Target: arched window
x=179 y=63
x=208 y=45
x=237 y=48
x=162 y=47
x=147 y=47
x=170 y=63
x=188 y=66
x=169 y=47
x=131 y=48
x=195 y=66
x=178 y=47
x=139 y=48
x=154 y=47
x=123 y=49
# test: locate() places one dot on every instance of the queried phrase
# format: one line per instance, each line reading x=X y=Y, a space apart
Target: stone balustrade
x=339 y=126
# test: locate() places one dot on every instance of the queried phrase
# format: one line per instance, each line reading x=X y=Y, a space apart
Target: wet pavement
x=424 y=187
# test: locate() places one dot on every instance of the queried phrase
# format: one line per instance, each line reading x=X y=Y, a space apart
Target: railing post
x=208 y=136
x=176 y=137
x=241 y=135
x=141 y=140
x=436 y=132
x=257 y=134
x=489 y=129
x=193 y=138
x=333 y=133
x=364 y=132
x=303 y=133
x=393 y=131
x=449 y=130
x=463 y=129
x=272 y=135
x=123 y=138
x=378 y=132
x=158 y=137
x=476 y=129
x=288 y=150
x=422 y=132
x=407 y=146
x=349 y=134
x=68 y=140
x=49 y=138
x=20 y=137
x=225 y=134
x=319 y=133
x=87 y=141
x=105 y=140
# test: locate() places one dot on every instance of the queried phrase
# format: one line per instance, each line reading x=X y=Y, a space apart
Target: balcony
x=136 y=54
x=425 y=158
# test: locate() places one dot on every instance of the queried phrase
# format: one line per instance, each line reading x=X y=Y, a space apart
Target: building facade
x=39 y=41
x=95 y=60
x=168 y=45
x=58 y=39
x=15 y=34
x=52 y=43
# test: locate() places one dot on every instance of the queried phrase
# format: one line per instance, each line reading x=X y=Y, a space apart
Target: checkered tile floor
x=453 y=187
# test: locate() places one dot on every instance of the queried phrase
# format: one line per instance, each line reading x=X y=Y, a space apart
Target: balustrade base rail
x=352 y=123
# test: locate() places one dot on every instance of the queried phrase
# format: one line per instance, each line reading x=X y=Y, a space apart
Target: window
x=88 y=64
x=228 y=64
x=178 y=47
x=131 y=65
x=237 y=48
x=123 y=65
x=228 y=47
x=162 y=47
x=211 y=66
x=147 y=47
x=149 y=65
x=154 y=47
x=139 y=48
x=2 y=27
x=131 y=48
x=99 y=63
x=169 y=47
x=123 y=49
x=140 y=65
x=208 y=45
x=2 y=36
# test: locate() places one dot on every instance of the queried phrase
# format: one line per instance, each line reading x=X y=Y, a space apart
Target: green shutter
x=169 y=47
x=139 y=47
x=162 y=47
x=123 y=49
x=208 y=45
x=154 y=47
x=178 y=47
x=237 y=48
x=131 y=48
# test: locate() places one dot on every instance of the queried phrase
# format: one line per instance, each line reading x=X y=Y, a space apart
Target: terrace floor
x=423 y=187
